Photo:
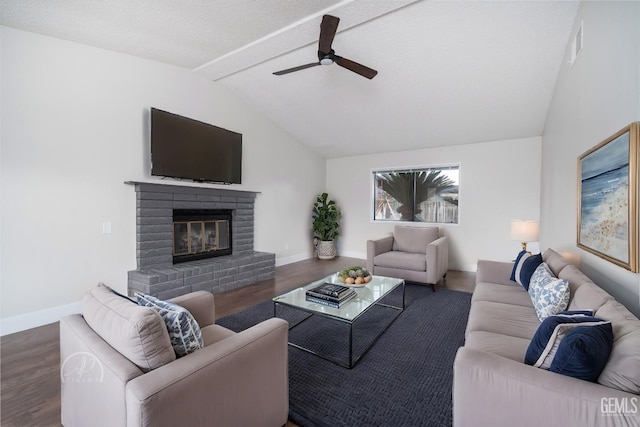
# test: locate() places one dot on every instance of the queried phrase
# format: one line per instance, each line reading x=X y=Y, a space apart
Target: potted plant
x=326 y=226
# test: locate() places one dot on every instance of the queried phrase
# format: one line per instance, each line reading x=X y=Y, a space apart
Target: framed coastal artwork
x=608 y=198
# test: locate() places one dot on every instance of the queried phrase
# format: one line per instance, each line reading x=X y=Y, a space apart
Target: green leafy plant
x=326 y=218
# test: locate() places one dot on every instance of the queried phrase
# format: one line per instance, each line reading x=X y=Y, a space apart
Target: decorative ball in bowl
x=354 y=276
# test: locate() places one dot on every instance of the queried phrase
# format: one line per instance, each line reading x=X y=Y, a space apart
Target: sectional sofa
x=493 y=387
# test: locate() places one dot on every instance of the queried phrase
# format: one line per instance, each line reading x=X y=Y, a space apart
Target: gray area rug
x=405 y=379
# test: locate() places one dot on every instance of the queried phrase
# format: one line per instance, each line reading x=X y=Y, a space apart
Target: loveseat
x=416 y=254
x=493 y=387
x=119 y=368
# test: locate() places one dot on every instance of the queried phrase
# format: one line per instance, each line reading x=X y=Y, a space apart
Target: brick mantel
x=157 y=275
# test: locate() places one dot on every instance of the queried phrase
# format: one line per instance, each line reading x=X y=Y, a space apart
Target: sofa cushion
x=413 y=239
x=574 y=345
x=512 y=320
x=524 y=267
x=401 y=260
x=184 y=331
x=584 y=293
x=549 y=294
x=507 y=294
x=138 y=333
x=126 y=297
x=555 y=261
x=513 y=348
x=622 y=371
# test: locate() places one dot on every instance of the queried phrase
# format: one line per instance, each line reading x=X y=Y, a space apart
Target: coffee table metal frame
x=367 y=297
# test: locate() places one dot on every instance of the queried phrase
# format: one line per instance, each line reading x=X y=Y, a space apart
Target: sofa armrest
x=201 y=305
x=489 y=390
x=377 y=247
x=241 y=380
x=494 y=272
x=437 y=259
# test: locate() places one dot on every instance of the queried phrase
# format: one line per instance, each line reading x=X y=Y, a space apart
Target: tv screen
x=189 y=149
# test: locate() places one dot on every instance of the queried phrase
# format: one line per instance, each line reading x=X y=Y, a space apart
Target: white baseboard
x=360 y=255
x=467 y=267
x=349 y=254
x=291 y=259
x=301 y=257
x=10 y=325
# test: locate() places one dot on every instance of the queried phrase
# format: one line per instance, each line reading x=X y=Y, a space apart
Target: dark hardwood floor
x=30 y=360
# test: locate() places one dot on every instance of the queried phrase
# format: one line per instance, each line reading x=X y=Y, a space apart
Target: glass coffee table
x=368 y=311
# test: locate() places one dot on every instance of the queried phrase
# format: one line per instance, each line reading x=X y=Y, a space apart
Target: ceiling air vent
x=576 y=46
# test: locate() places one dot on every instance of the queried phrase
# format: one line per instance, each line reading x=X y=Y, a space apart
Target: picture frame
x=608 y=185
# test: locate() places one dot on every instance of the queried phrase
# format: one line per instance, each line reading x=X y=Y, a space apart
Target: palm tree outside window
x=417 y=195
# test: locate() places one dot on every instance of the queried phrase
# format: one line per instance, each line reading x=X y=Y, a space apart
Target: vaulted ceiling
x=449 y=72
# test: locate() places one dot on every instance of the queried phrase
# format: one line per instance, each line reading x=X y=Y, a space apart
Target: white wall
x=594 y=98
x=75 y=128
x=499 y=181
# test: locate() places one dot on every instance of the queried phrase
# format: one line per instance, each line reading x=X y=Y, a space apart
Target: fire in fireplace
x=201 y=233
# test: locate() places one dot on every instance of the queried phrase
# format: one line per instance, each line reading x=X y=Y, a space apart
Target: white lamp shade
x=524 y=231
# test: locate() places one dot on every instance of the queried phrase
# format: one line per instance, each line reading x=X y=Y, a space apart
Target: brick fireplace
x=156 y=273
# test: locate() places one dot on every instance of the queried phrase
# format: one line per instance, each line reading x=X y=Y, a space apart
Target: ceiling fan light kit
x=327 y=56
x=326 y=59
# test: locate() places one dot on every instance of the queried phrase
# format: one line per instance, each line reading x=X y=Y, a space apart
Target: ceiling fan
x=327 y=56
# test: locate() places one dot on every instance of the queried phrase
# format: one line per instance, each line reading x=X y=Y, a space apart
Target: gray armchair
x=416 y=254
x=118 y=368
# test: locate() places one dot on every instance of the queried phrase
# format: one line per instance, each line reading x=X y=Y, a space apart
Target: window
x=417 y=194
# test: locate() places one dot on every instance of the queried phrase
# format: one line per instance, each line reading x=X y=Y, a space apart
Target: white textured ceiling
x=449 y=72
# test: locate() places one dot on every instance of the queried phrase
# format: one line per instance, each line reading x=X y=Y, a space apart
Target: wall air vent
x=576 y=45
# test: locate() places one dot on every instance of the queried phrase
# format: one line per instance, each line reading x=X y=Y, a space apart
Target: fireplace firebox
x=201 y=233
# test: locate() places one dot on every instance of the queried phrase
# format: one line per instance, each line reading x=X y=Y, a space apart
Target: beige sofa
x=417 y=254
x=493 y=387
x=122 y=370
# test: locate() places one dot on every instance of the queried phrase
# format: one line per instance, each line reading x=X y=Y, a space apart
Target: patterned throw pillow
x=549 y=294
x=571 y=344
x=184 y=331
x=524 y=267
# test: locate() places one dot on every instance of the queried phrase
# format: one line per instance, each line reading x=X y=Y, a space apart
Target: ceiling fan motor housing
x=326 y=58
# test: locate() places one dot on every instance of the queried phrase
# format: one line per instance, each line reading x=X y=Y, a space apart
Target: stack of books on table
x=330 y=294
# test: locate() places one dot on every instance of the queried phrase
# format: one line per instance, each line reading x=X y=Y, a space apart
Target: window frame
x=410 y=169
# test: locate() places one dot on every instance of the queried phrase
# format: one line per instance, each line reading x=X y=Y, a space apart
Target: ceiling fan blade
x=298 y=68
x=355 y=67
x=328 y=29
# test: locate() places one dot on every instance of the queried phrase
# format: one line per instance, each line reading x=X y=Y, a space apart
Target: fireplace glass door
x=198 y=237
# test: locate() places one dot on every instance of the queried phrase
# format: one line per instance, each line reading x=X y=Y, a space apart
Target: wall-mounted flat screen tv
x=188 y=149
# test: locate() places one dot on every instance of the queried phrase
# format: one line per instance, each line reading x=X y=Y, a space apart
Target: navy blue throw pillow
x=577 y=312
x=524 y=267
x=574 y=345
x=516 y=263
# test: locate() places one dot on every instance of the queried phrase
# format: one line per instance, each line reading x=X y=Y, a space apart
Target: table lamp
x=524 y=231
